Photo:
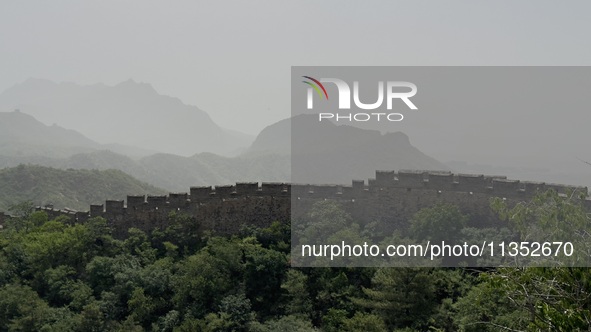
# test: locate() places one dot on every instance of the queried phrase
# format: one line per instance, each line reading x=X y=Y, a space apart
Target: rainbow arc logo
x=317 y=86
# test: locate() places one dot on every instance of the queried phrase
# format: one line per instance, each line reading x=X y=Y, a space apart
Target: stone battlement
x=225 y=207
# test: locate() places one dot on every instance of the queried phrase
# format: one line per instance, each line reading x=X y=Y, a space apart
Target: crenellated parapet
x=408 y=180
x=405 y=192
x=476 y=183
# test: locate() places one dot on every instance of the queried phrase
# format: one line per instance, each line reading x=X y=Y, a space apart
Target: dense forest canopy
x=58 y=276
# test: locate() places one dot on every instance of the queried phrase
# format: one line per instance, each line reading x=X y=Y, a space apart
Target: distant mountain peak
x=18 y=114
x=133 y=84
x=397 y=136
x=36 y=83
x=330 y=153
x=130 y=113
x=35 y=80
x=20 y=127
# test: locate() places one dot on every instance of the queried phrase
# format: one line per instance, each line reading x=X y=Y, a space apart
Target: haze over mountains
x=23 y=135
x=133 y=117
x=129 y=113
x=268 y=158
x=324 y=153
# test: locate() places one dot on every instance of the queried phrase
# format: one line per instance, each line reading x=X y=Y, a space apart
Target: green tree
x=263 y=273
x=298 y=301
x=443 y=222
x=285 y=324
x=554 y=298
x=141 y=306
x=485 y=307
x=364 y=322
x=325 y=218
x=403 y=297
x=21 y=309
x=203 y=279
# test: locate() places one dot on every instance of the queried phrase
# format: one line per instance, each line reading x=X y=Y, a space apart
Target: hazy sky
x=233 y=58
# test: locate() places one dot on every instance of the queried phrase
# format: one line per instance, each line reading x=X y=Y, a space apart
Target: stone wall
x=392 y=197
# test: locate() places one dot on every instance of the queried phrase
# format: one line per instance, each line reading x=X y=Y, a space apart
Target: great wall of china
x=392 y=197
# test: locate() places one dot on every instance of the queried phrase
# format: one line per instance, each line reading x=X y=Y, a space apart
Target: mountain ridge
x=67 y=188
x=128 y=113
x=23 y=134
x=268 y=159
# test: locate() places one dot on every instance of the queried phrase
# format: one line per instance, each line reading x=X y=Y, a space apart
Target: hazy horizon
x=240 y=73
x=235 y=64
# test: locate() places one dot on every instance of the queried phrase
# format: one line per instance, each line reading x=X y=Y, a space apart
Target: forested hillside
x=60 y=277
x=73 y=189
